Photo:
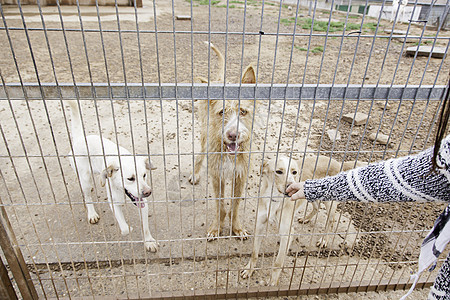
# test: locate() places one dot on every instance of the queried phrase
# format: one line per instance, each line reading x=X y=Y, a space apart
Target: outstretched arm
x=408 y=178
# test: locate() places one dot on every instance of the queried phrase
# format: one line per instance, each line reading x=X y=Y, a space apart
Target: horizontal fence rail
x=197 y=91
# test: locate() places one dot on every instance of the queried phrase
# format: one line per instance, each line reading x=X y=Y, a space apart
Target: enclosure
x=134 y=73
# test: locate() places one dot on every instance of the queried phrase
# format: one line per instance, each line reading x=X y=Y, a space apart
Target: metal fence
x=133 y=73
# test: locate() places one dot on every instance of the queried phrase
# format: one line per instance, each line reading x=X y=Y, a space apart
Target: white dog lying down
x=123 y=176
x=275 y=180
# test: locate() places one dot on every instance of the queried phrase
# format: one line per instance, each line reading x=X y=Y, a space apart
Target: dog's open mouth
x=139 y=202
x=232 y=147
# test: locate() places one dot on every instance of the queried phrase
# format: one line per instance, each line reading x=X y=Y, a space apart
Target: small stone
x=334 y=135
x=384 y=105
x=395 y=32
x=183 y=17
x=380 y=138
x=358 y=118
x=437 y=52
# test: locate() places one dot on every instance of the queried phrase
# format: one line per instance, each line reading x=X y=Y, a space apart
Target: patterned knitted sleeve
x=407 y=178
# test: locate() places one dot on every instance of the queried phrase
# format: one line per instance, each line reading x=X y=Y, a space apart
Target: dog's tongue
x=139 y=203
x=232 y=147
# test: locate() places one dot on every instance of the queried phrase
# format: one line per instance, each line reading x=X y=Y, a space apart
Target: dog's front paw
x=194 y=179
x=151 y=246
x=126 y=230
x=322 y=243
x=275 y=277
x=241 y=233
x=247 y=272
x=212 y=235
x=93 y=218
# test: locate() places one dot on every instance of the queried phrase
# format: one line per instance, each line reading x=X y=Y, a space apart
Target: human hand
x=296 y=191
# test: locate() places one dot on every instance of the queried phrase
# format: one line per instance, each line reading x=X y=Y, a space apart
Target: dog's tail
x=221 y=74
x=77 y=129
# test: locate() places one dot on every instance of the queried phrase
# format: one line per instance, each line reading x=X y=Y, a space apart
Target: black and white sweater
x=407 y=178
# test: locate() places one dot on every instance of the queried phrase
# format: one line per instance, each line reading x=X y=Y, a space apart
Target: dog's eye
x=221 y=113
x=145 y=175
x=130 y=178
x=279 y=172
x=243 y=112
x=294 y=172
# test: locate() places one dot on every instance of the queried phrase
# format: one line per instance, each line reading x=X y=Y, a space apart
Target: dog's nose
x=147 y=193
x=232 y=135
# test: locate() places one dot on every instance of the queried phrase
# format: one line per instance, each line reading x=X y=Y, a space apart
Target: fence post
x=6 y=288
x=14 y=257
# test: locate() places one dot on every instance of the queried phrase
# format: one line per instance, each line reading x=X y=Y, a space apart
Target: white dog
x=275 y=180
x=400 y=6
x=123 y=174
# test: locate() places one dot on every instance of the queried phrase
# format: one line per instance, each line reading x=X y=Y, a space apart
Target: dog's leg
x=117 y=210
x=149 y=242
x=86 y=186
x=235 y=220
x=285 y=239
x=315 y=210
x=195 y=176
x=217 y=224
x=331 y=212
x=261 y=221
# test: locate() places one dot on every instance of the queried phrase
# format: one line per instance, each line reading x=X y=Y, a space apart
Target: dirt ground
x=69 y=257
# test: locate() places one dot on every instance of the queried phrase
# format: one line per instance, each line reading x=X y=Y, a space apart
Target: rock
x=334 y=135
x=183 y=17
x=359 y=118
x=384 y=105
x=380 y=138
x=395 y=32
x=438 y=52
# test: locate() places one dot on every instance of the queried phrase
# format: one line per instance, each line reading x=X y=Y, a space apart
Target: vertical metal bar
x=162 y=119
x=133 y=148
x=178 y=145
x=144 y=96
x=254 y=111
x=191 y=35
x=302 y=276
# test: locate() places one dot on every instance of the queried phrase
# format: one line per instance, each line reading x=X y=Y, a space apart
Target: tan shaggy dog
x=274 y=206
x=226 y=127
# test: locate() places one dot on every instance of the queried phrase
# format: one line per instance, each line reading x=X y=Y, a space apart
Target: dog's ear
x=249 y=75
x=108 y=172
x=265 y=168
x=149 y=165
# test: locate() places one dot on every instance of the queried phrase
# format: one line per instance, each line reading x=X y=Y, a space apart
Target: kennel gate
x=133 y=72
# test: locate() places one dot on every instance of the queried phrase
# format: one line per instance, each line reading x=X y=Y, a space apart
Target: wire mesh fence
x=134 y=74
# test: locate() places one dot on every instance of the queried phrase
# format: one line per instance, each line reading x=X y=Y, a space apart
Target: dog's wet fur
x=226 y=127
